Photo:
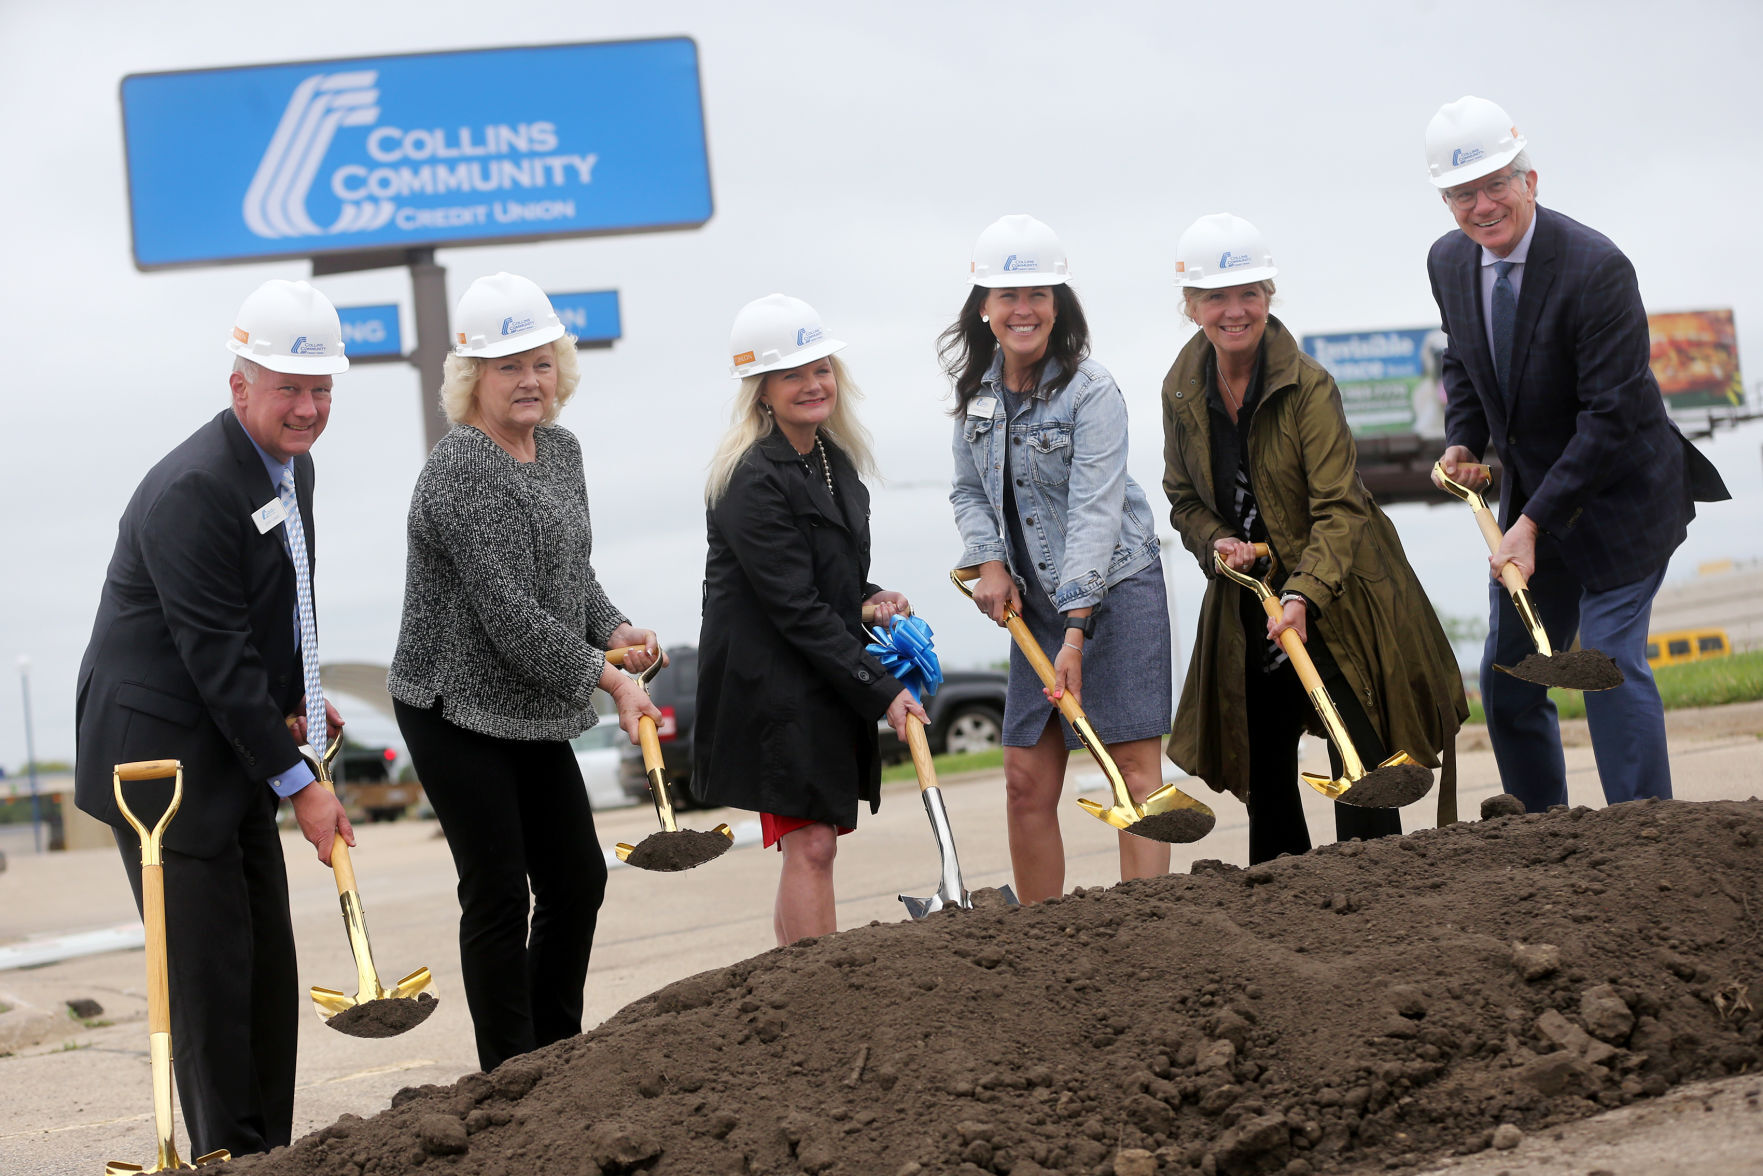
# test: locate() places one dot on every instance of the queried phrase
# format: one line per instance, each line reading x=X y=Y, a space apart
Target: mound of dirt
x=1373 y=1003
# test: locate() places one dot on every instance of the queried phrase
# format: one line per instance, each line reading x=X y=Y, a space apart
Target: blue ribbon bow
x=905 y=652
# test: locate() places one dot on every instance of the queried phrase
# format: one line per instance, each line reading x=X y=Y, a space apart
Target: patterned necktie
x=1505 y=318
x=295 y=533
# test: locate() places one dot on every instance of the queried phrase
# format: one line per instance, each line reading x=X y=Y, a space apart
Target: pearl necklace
x=826 y=467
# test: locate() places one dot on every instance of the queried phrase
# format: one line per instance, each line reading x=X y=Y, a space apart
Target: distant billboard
x=1695 y=358
x=1389 y=380
x=415 y=150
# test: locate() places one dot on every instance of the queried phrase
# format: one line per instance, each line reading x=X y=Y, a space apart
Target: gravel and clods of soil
x=1367 y=1005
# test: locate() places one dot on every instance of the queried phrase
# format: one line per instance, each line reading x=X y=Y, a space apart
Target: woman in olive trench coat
x=1331 y=545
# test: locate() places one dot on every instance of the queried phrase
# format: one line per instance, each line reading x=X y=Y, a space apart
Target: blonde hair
x=1192 y=294
x=749 y=424
x=461 y=373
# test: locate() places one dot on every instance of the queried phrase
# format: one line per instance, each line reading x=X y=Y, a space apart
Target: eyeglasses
x=1495 y=188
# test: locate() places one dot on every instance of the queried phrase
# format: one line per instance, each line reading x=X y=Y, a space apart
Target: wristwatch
x=1084 y=625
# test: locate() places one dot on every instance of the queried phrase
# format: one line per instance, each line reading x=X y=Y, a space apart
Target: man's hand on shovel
x=322 y=819
x=1518 y=547
x=1461 y=467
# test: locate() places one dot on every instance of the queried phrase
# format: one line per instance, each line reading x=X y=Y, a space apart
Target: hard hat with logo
x=289 y=327
x=1018 y=250
x=502 y=314
x=776 y=332
x=1221 y=250
x=1468 y=139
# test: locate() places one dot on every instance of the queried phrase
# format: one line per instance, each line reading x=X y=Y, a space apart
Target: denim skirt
x=1126 y=675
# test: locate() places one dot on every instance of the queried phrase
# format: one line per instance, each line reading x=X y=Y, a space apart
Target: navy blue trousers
x=1627 y=724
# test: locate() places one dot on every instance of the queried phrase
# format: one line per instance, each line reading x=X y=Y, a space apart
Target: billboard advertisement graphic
x=1695 y=358
x=413 y=151
x=1389 y=380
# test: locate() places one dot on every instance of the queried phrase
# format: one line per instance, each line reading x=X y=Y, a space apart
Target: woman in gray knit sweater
x=499 y=654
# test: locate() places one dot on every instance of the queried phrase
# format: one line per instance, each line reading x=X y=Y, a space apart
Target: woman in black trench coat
x=787 y=696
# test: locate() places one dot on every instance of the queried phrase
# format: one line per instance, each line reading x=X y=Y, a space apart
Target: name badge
x=982 y=406
x=269 y=516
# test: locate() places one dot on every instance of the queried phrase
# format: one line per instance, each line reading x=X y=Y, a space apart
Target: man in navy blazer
x=1548 y=362
x=195 y=657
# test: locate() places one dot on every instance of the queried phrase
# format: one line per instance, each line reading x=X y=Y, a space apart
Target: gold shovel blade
x=328 y=1002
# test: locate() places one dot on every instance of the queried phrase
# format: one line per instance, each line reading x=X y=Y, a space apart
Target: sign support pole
x=428 y=286
x=428 y=353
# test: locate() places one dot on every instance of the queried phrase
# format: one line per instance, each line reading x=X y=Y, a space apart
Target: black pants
x=515 y=812
x=235 y=996
x=1278 y=708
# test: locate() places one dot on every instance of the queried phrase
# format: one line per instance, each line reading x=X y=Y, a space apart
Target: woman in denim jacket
x=1060 y=534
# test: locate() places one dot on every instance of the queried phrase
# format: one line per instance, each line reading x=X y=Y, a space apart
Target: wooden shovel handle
x=922 y=763
x=147 y=770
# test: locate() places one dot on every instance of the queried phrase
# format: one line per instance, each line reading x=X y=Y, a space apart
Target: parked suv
x=365 y=786
x=966 y=714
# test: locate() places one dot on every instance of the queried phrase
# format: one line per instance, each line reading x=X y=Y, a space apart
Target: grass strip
x=1714 y=682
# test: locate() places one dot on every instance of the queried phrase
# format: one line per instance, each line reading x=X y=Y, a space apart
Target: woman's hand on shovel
x=904 y=704
x=636 y=660
x=996 y=591
x=1297 y=619
x=1238 y=553
x=1068 y=670
x=632 y=701
x=322 y=819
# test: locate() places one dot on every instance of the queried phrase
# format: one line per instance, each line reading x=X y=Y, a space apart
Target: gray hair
x=1520 y=164
x=252 y=372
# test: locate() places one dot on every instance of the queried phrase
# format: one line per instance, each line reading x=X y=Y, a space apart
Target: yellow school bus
x=1686 y=645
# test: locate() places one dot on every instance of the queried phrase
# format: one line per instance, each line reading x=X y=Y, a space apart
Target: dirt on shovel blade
x=681 y=850
x=1577 y=669
x=1368 y=1005
x=1389 y=787
x=386 y=1017
x=1181 y=826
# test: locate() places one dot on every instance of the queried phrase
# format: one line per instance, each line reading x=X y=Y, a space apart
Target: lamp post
x=30 y=754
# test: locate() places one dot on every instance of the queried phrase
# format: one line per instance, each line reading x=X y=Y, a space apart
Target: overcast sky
x=854 y=159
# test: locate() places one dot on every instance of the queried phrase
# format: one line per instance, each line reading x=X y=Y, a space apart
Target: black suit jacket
x=193 y=655
x=787 y=697
x=1589 y=452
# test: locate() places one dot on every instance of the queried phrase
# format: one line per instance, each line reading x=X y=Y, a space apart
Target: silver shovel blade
x=918 y=908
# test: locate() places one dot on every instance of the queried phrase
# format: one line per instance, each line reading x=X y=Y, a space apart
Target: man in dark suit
x=1548 y=361
x=204 y=643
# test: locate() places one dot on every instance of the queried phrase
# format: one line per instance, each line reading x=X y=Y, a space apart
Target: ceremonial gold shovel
x=416 y=990
x=672 y=848
x=1574 y=669
x=1168 y=814
x=1399 y=780
x=158 y=982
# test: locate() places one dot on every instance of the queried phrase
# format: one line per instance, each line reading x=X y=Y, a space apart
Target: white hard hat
x=1468 y=139
x=776 y=332
x=502 y=314
x=1222 y=250
x=1018 y=250
x=289 y=327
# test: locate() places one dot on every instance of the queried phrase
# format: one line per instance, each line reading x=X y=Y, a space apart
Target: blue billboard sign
x=1389 y=380
x=416 y=150
x=591 y=317
x=371 y=331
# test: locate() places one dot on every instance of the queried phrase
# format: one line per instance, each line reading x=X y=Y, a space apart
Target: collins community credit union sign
x=414 y=151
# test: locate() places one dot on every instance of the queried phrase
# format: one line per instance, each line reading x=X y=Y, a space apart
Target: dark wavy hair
x=966 y=348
